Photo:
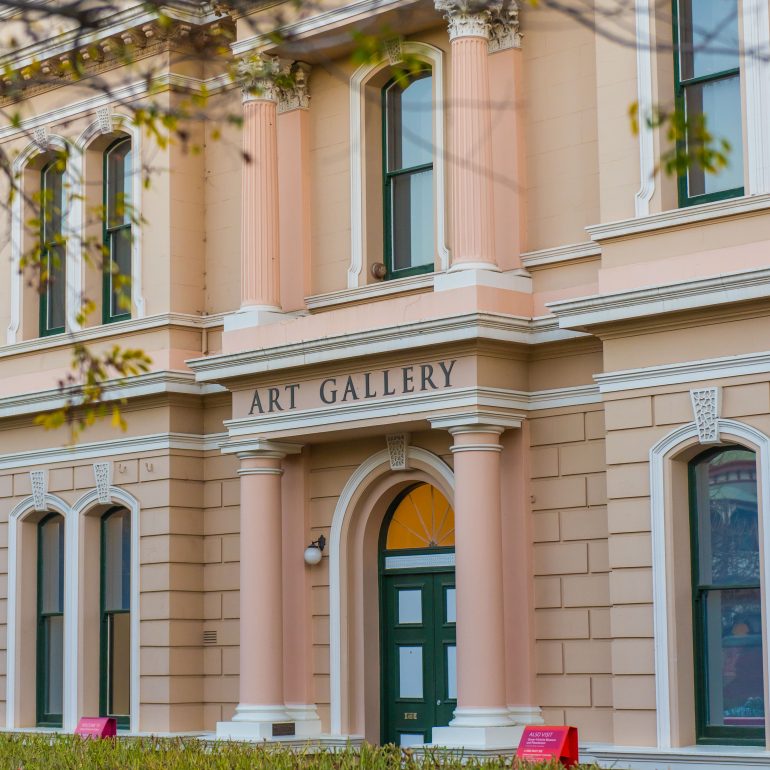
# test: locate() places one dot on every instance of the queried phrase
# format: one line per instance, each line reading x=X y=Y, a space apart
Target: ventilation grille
x=209 y=637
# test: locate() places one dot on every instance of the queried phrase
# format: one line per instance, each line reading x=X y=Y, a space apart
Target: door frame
x=382 y=574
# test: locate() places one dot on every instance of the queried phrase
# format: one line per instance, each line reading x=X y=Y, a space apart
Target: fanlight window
x=422 y=519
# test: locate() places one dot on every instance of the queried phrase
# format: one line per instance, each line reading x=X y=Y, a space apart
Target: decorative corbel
x=398 y=445
x=103 y=481
x=706 y=407
x=39 y=483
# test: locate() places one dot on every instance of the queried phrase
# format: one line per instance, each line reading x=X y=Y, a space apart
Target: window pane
x=728 y=538
x=709 y=36
x=52 y=565
x=733 y=658
x=120 y=258
x=719 y=102
x=410 y=606
x=412 y=226
x=52 y=201
x=410 y=672
x=116 y=565
x=54 y=632
x=55 y=287
x=410 y=124
x=119 y=702
x=118 y=177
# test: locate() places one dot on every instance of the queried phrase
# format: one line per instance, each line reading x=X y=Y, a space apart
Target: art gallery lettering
x=416 y=378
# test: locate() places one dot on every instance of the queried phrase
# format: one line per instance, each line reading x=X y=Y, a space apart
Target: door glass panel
x=410 y=606
x=410 y=672
x=411 y=739
x=120 y=664
x=733 y=626
x=451 y=672
x=451 y=605
x=55 y=663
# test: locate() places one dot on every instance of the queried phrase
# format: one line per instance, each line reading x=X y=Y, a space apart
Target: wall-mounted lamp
x=314 y=551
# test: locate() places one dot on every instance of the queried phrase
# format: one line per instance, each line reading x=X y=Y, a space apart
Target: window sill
x=372 y=291
x=702 y=212
x=116 y=328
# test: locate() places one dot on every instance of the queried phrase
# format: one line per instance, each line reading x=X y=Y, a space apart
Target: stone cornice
x=410 y=336
x=142 y=385
x=128 y=37
x=657 y=300
x=691 y=215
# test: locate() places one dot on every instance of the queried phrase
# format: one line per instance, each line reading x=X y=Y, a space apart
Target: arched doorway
x=418 y=616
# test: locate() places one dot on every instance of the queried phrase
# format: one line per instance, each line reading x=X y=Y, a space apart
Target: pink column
x=261 y=622
x=479 y=570
x=470 y=146
x=260 y=265
x=481 y=718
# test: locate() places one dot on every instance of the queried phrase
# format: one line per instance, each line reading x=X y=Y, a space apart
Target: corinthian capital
x=295 y=88
x=257 y=76
x=496 y=20
x=469 y=18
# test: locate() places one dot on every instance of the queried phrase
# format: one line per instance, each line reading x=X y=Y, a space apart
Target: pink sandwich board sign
x=541 y=743
x=97 y=727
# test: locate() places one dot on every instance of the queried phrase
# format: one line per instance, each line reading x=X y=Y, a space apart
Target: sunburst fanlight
x=423 y=519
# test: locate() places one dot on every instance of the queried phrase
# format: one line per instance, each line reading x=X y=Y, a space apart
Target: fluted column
x=261 y=696
x=470 y=148
x=482 y=717
x=260 y=251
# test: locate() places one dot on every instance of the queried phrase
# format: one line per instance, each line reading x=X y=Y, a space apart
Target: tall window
x=50 y=620
x=115 y=687
x=52 y=249
x=408 y=160
x=727 y=618
x=708 y=90
x=117 y=231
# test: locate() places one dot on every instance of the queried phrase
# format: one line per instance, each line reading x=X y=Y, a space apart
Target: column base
x=305 y=717
x=462 y=277
x=464 y=737
x=258 y=723
x=479 y=728
x=248 y=317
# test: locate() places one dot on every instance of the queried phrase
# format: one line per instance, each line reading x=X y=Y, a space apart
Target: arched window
x=52 y=249
x=116 y=296
x=409 y=204
x=727 y=623
x=115 y=663
x=50 y=620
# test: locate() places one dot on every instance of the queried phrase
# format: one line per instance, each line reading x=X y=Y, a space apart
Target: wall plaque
x=282 y=729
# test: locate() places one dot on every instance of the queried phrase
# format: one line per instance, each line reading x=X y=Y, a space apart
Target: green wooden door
x=418 y=655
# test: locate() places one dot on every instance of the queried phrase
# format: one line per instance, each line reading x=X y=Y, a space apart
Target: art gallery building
x=454 y=326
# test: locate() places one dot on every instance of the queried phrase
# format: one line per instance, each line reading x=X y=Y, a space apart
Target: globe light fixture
x=314 y=551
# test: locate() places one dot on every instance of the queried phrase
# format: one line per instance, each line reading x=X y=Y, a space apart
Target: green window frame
x=50 y=620
x=115 y=615
x=726 y=598
x=117 y=239
x=407 y=170
x=707 y=86
x=53 y=250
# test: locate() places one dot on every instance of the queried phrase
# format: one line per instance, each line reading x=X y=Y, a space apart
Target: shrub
x=24 y=751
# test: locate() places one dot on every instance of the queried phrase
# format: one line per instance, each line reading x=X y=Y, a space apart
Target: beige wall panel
x=630 y=550
x=561 y=624
x=545 y=526
x=563 y=690
x=587 y=657
x=547 y=592
x=594 y=722
x=633 y=656
x=549 y=657
x=561 y=133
